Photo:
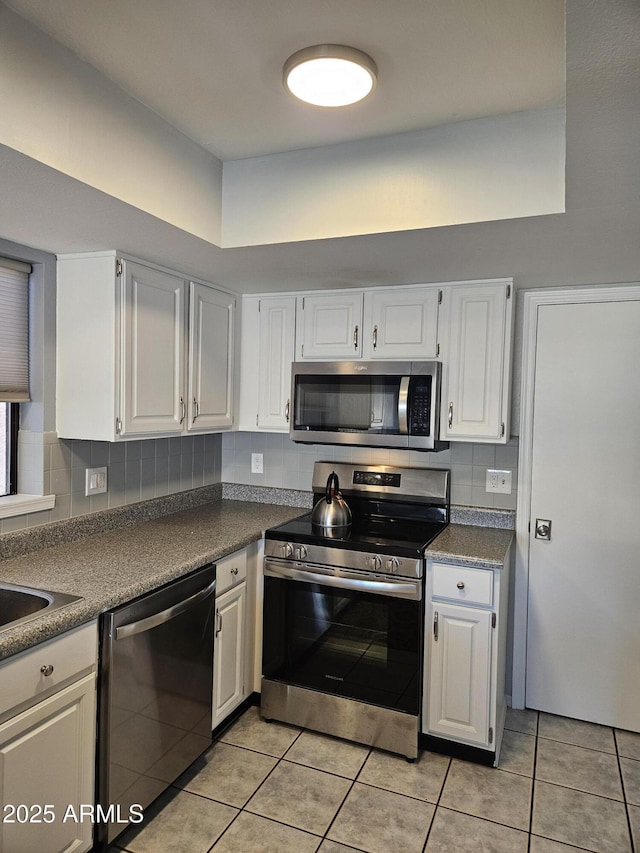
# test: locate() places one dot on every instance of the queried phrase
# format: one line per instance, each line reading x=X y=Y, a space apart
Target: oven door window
x=353 y=644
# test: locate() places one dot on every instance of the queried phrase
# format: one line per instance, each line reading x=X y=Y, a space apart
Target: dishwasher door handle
x=149 y=622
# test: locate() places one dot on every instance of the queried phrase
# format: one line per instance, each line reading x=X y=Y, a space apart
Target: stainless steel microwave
x=367 y=403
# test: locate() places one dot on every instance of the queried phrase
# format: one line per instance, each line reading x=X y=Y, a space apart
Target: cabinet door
x=276 y=352
x=330 y=325
x=211 y=342
x=459 y=689
x=401 y=323
x=153 y=351
x=229 y=653
x=476 y=375
x=47 y=759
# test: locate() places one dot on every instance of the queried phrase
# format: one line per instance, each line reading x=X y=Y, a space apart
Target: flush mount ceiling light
x=329 y=75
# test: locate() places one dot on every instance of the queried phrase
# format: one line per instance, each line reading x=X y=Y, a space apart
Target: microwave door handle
x=403 y=406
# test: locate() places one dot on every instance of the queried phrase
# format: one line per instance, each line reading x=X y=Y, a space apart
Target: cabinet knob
x=460 y=584
x=234 y=570
x=46 y=670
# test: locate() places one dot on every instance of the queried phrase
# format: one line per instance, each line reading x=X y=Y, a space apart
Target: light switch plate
x=95 y=481
x=498 y=482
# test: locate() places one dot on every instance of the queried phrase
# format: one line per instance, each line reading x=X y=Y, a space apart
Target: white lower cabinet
x=47 y=749
x=465 y=654
x=230 y=676
x=460 y=673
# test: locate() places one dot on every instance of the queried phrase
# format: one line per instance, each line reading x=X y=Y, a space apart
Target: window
x=14 y=364
x=8 y=448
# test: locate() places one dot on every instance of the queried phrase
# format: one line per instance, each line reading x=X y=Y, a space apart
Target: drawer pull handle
x=234 y=570
x=46 y=670
x=460 y=584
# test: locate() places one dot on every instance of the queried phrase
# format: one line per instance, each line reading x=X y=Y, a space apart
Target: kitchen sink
x=19 y=604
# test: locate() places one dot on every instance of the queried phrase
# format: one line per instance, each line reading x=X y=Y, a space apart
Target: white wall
x=505 y=167
x=60 y=111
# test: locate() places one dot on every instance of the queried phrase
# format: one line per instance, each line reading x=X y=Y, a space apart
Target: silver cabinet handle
x=450 y=415
x=183 y=409
x=46 y=670
x=196 y=409
x=286 y=411
x=435 y=626
x=375 y=337
x=355 y=338
x=218 y=622
x=460 y=584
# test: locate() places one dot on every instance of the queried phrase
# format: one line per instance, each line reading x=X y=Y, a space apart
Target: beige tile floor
x=562 y=786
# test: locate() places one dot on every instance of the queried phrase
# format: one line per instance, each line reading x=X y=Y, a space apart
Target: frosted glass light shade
x=330 y=75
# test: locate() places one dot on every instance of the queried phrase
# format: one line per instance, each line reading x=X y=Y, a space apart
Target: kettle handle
x=331 y=489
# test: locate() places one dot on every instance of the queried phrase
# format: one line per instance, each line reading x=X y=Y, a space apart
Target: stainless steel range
x=344 y=606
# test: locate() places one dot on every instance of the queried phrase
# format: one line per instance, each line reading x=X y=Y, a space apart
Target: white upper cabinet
x=153 y=350
x=141 y=352
x=211 y=346
x=386 y=323
x=476 y=358
x=330 y=325
x=268 y=340
x=401 y=322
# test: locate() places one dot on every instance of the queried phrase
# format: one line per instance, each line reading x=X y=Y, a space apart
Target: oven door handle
x=393 y=588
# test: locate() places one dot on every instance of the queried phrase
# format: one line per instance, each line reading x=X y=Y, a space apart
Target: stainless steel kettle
x=331 y=510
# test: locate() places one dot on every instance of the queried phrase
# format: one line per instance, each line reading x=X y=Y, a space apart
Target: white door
x=476 y=362
x=583 y=635
x=460 y=673
x=153 y=351
x=229 y=653
x=401 y=323
x=211 y=342
x=276 y=352
x=47 y=768
x=330 y=326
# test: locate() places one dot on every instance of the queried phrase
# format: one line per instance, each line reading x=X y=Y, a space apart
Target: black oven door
x=346 y=633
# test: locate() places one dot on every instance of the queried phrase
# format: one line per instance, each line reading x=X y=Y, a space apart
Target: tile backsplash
x=290 y=466
x=136 y=471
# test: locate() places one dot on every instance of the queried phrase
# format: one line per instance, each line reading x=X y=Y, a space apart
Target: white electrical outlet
x=95 y=481
x=498 y=482
x=257 y=463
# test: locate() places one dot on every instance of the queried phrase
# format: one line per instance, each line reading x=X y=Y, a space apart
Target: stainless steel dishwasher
x=156 y=682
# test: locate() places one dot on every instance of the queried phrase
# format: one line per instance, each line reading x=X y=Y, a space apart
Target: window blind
x=14 y=331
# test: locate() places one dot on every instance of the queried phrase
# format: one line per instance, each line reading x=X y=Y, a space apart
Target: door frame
x=533 y=300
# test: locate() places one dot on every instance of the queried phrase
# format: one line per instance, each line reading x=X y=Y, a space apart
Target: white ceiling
x=212 y=68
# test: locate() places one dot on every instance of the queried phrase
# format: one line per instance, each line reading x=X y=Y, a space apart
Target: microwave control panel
x=420 y=409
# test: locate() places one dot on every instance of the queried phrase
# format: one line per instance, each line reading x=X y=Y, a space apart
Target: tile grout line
x=351 y=786
x=437 y=804
x=533 y=781
x=624 y=793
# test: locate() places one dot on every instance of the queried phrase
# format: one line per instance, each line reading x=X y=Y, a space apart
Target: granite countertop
x=111 y=568
x=472 y=546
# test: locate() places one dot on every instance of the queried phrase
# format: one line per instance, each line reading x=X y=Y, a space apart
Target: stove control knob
x=301 y=552
x=393 y=564
x=375 y=562
x=287 y=550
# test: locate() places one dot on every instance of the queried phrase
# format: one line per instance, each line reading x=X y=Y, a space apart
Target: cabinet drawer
x=70 y=654
x=462 y=584
x=230 y=571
